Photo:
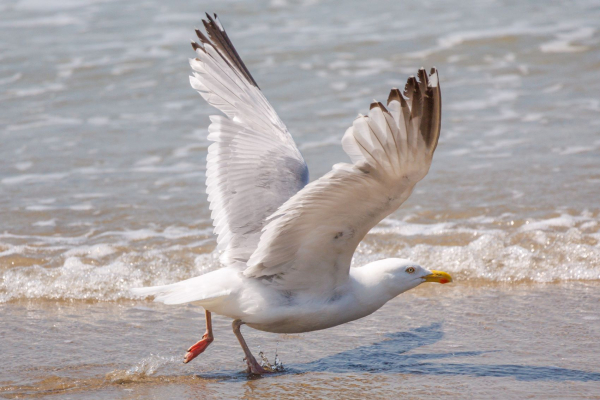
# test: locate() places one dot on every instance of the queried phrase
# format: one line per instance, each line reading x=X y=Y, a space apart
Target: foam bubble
x=149 y=160
x=23 y=166
x=186 y=150
x=561 y=46
x=171 y=232
x=179 y=167
x=564 y=42
x=50 y=222
x=95 y=251
x=81 y=207
x=33 y=178
x=575 y=150
x=329 y=141
x=564 y=220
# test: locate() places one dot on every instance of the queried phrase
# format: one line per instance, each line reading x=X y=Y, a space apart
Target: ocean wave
x=565 y=247
x=564 y=41
x=483 y=248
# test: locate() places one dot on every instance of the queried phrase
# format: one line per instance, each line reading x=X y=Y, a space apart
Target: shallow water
x=102 y=189
x=498 y=341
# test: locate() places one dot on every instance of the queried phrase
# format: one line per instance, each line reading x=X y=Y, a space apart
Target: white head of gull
x=287 y=244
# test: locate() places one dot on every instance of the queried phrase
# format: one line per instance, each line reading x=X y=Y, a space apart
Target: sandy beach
x=482 y=341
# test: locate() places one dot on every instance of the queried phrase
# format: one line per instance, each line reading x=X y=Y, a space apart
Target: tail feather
x=149 y=290
x=202 y=289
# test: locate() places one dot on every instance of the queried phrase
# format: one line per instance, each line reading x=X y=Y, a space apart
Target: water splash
x=140 y=371
x=277 y=365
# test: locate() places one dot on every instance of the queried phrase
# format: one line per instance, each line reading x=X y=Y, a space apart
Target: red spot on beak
x=443 y=280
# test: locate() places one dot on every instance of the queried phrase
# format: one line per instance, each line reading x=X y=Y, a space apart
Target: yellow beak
x=438 y=276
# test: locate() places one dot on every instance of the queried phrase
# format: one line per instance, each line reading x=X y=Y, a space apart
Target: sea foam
x=482 y=248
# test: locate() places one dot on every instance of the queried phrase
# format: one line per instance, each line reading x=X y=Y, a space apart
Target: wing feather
x=309 y=241
x=253 y=165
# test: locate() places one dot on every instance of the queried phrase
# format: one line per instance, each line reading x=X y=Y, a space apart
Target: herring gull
x=287 y=244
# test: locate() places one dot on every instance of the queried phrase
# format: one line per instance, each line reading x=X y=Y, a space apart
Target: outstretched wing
x=309 y=242
x=253 y=166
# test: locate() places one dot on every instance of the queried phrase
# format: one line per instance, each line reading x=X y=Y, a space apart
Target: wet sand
x=458 y=340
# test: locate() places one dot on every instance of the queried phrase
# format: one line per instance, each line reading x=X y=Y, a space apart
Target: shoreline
x=480 y=338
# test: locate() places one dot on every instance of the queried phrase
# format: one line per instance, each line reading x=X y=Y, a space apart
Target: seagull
x=286 y=244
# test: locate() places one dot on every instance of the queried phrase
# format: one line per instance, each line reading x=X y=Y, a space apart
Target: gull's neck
x=371 y=285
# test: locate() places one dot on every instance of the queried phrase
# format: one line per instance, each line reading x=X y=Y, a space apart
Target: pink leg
x=253 y=366
x=199 y=347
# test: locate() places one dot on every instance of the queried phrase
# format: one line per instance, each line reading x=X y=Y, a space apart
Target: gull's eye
x=410 y=270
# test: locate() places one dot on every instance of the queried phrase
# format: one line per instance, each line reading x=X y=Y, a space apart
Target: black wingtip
x=423 y=77
x=378 y=104
x=218 y=39
x=382 y=107
x=410 y=86
x=213 y=19
x=201 y=36
x=394 y=95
